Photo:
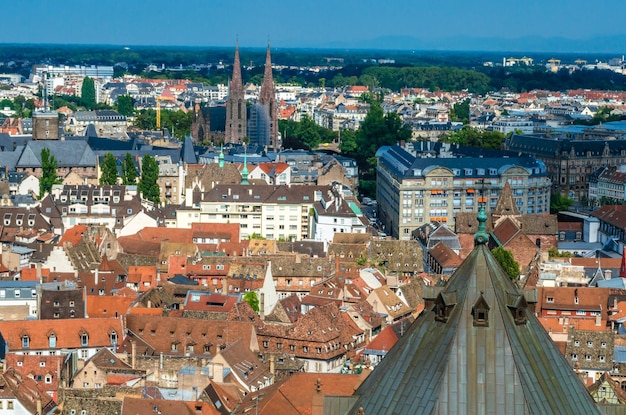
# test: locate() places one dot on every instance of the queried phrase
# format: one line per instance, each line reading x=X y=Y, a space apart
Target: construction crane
x=158 y=112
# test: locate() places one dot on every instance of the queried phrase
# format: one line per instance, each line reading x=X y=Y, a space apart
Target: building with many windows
x=273 y=212
x=570 y=163
x=412 y=191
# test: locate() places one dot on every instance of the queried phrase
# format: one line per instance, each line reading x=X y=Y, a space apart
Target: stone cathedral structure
x=258 y=123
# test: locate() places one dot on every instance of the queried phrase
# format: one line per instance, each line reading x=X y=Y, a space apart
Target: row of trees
x=472 y=137
x=110 y=174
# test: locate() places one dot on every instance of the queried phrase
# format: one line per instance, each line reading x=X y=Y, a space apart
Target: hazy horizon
x=482 y=25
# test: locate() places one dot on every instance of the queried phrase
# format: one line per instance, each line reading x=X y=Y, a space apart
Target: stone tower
x=236 y=105
x=200 y=124
x=267 y=98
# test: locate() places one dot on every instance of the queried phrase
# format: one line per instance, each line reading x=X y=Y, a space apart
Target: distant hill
x=605 y=44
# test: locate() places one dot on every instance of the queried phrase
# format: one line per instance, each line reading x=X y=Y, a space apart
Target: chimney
x=272 y=366
x=161 y=361
x=38 y=267
x=608 y=274
x=39 y=406
x=599 y=320
x=133 y=354
x=262 y=306
x=225 y=285
x=95 y=276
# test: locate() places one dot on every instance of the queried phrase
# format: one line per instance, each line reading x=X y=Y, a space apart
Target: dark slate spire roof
x=188 y=154
x=478 y=351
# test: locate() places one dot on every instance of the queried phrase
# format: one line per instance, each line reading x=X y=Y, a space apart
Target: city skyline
x=483 y=25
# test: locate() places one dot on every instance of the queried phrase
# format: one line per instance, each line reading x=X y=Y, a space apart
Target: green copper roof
x=478 y=351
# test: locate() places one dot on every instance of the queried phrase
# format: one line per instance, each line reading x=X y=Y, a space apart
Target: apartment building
x=412 y=191
x=273 y=212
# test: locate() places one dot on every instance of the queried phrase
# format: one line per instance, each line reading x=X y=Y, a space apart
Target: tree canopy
x=48 y=172
x=304 y=134
x=125 y=105
x=472 y=137
x=148 y=182
x=88 y=93
x=109 y=170
x=129 y=170
x=251 y=298
x=559 y=203
x=506 y=259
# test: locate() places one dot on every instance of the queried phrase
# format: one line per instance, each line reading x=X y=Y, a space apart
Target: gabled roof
x=506 y=203
x=67 y=332
x=463 y=357
x=74 y=153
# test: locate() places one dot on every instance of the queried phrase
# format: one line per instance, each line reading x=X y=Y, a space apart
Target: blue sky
x=302 y=23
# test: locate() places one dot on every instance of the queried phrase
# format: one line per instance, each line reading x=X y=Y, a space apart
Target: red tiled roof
x=73 y=235
x=30 y=274
x=107 y=306
x=385 y=340
x=68 y=332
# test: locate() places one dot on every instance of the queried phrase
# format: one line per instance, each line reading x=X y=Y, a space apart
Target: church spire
x=267 y=97
x=236 y=105
x=236 y=83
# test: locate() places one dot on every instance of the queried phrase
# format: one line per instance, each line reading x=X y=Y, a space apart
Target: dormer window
x=518 y=305
x=52 y=341
x=84 y=340
x=444 y=304
x=25 y=342
x=480 y=312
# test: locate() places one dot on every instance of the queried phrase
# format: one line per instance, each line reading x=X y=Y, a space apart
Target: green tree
x=148 y=182
x=129 y=171
x=251 y=298
x=125 y=105
x=376 y=130
x=559 y=203
x=109 y=170
x=506 y=259
x=48 y=172
x=146 y=119
x=88 y=93
x=460 y=111
x=472 y=137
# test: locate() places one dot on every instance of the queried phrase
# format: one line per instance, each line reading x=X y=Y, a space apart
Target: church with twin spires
x=258 y=123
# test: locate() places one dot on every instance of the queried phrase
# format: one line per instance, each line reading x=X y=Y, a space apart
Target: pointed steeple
x=236 y=105
x=221 y=157
x=267 y=89
x=506 y=203
x=236 y=82
x=267 y=98
x=244 y=171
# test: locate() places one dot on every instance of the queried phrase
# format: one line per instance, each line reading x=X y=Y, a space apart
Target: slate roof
x=449 y=362
x=74 y=153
